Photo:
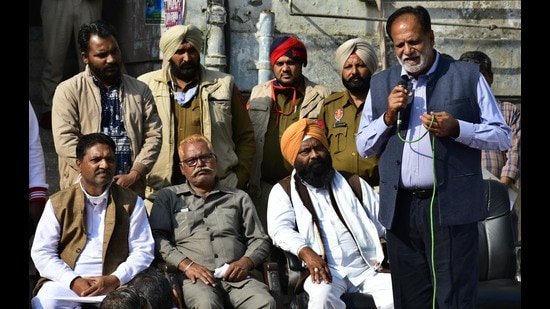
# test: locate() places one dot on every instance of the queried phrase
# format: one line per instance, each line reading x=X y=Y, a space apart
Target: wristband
x=187 y=267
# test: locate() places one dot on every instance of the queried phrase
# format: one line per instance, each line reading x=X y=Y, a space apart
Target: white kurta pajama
x=352 y=263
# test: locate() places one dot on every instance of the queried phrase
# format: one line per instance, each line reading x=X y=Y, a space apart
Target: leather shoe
x=46 y=120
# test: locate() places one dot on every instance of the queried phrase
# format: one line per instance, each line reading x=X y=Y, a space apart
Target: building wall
x=139 y=42
x=491 y=26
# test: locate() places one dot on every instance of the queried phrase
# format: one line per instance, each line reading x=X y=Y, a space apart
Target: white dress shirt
x=45 y=254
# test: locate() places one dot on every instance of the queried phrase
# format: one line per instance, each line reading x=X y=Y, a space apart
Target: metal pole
x=264 y=36
x=215 y=52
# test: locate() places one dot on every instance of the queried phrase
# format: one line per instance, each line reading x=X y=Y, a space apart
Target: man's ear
x=490 y=79
x=84 y=57
x=488 y=76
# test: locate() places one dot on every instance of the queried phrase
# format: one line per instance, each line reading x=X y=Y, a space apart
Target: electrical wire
x=432 y=221
x=421 y=137
x=398 y=133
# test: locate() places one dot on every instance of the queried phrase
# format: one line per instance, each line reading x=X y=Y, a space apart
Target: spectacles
x=207 y=158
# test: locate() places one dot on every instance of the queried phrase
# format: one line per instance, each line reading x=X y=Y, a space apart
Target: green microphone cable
x=432 y=220
x=421 y=137
x=431 y=201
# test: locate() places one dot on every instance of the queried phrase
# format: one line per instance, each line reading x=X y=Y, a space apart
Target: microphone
x=403 y=82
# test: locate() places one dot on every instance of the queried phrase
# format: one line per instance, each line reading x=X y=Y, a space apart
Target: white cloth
x=290 y=226
x=44 y=251
x=91 y=259
x=220 y=271
x=327 y=296
x=64 y=298
x=37 y=167
x=341 y=251
x=184 y=97
x=362 y=219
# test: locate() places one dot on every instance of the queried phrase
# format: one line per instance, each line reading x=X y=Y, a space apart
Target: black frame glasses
x=205 y=158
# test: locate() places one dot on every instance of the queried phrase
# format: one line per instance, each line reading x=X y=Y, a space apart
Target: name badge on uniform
x=338 y=114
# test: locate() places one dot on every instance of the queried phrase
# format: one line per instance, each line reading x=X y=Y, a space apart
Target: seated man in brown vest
x=93 y=236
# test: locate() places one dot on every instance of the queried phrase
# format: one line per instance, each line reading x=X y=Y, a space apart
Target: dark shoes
x=46 y=120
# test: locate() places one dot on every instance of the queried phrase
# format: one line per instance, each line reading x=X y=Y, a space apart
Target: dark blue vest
x=451 y=88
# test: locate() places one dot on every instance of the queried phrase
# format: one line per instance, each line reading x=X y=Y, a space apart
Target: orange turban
x=292 y=138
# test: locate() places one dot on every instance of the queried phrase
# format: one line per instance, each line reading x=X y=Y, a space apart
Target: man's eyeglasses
x=207 y=158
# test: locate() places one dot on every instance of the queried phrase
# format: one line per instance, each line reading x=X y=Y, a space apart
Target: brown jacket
x=225 y=122
x=77 y=110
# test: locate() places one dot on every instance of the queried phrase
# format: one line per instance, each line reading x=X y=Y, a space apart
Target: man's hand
x=397 y=100
x=95 y=285
x=238 y=270
x=194 y=271
x=507 y=181
x=127 y=180
x=317 y=266
x=441 y=124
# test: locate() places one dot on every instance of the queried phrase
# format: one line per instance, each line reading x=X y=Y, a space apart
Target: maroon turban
x=290 y=47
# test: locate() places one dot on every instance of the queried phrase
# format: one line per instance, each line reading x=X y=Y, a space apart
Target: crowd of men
x=175 y=166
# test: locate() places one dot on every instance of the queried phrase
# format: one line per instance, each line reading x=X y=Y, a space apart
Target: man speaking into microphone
x=431 y=193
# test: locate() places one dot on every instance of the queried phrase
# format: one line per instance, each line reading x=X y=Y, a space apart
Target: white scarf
x=357 y=217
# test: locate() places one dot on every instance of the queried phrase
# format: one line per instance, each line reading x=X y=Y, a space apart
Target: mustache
x=405 y=57
x=200 y=169
x=187 y=66
x=112 y=65
x=101 y=170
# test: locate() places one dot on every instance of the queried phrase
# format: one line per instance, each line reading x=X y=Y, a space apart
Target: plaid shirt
x=506 y=163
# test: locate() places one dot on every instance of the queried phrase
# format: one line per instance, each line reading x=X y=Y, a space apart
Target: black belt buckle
x=422 y=193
